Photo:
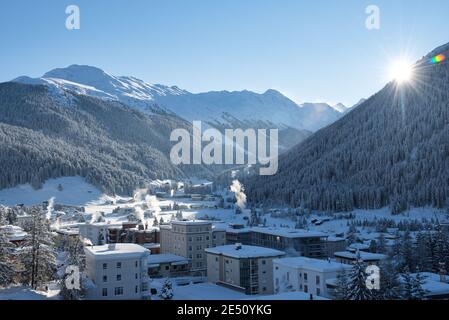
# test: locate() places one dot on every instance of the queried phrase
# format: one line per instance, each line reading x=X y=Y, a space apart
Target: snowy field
x=24 y=293
x=75 y=191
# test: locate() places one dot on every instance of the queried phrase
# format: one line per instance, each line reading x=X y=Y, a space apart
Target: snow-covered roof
x=335 y=239
x=152 y=245
x=312 y=264
x=289 y=233
x=69 y=232
x=292 y=296
x=155 y=259
x=192 y=222
x=280 y=232
x=359 y=246
x=245 y=251
x=365 y=256
x=14 y=233
x=119 y=249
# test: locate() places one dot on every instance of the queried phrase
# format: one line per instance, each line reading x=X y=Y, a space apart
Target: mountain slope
x=393 y=149
x=271 y=108
x=113 y=146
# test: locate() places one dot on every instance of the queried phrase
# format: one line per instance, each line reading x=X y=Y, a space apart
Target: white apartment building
x=118 y=271
x=189 y=239
x=96 y=232
x=248 y=269
x=305 y=275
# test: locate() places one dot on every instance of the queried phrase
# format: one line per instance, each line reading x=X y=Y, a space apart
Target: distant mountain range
x=114 y=131
x=222 y=108
x=392 y=150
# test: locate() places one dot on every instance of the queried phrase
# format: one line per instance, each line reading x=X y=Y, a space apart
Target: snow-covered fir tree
x=341 y=291
x=390 y=284
x=357 y=288
x=37 y=254
x=73 y=253
x=412 y=286
x=7 y=266
x=167 y=290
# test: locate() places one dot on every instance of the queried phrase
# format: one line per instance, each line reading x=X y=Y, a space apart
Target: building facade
x=118 y=272
x=293 y=241
x=248 y=269
x=305 y=275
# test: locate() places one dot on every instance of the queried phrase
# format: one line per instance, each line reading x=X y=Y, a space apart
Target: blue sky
x=309 y=50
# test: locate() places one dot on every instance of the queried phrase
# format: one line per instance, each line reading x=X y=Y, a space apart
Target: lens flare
x=438 y=59
x=401 y=71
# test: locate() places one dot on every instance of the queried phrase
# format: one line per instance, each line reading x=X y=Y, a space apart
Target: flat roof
x=280 y=232
x=312 y=264
x=289 y=233
x=165 y=258
x=245 y=251
x=118 y=249
x=365 y=256
x=291 y=296
x=192 y=222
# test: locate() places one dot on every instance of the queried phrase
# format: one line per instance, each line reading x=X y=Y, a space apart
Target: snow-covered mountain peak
x=340 y=107
x=223 y=107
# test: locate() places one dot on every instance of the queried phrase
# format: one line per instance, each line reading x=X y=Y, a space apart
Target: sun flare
x=401 y=71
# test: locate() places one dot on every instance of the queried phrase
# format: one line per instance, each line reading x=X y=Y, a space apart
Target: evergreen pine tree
x=357 y=289
x=7 y=268
x=167 y=290
x=37 y=253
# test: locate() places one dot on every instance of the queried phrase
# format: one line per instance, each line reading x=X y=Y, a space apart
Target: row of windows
x=119 y=277
x=118 y=265
x=118 y=291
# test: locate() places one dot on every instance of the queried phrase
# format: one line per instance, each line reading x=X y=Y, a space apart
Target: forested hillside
x=392 y=150
x=113 y=146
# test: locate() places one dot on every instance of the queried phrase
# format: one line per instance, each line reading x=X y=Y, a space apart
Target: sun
x=401 y=71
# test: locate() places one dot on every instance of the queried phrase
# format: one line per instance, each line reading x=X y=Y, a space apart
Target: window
x=190 y=248
x=136 y=264
x=118 y=291
x=318 y=291
x=104 y=292
x=105 y=278
x=137 y=289
x=207 y=238
x=119 y=265
x=305 y=276
x=216 y=259
x=144 y=286
x=264 y=289
x=119 y=277
x=264 y=262
x=317 y=279
x=306 y=289
x=105 y=266
x=136 y=275
x=167 y=267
